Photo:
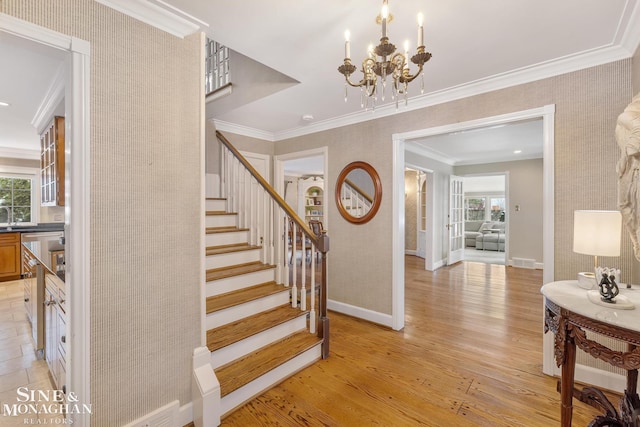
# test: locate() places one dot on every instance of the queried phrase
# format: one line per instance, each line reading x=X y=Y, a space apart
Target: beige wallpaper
x=636 y=72
x=145 y=205
x=587 y=105
x=410 y=210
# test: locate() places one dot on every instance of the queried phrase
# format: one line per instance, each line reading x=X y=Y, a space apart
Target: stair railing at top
x=275 y=226
x=355 y=200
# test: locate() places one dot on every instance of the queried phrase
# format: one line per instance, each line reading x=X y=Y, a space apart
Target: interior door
x=456 y=220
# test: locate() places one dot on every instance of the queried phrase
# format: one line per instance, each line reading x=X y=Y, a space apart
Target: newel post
x=323 y=326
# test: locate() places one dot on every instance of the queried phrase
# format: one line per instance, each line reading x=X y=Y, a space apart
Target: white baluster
x=312 y=312
x=265 y=221
x=223 y=170
x=285 y=251
x=303 y=275
x=294 y=244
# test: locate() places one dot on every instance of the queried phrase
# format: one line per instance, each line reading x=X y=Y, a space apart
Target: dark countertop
x=41 y=227
x=41 y=249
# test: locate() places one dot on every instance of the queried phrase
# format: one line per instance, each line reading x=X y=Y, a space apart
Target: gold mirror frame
x=377 y=196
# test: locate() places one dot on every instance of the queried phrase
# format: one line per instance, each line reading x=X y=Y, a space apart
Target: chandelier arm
x=408 y=78
x=361 y=83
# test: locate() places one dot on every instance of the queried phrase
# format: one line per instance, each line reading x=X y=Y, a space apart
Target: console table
x=568 y=314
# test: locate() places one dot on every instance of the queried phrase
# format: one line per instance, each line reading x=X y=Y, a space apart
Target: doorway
x=76 y=55
x=300 y=178
x=486 y=202
x=546 y=113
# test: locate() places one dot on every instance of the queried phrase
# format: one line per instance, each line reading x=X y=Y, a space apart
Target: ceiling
x=476 y=47
x=25 y=81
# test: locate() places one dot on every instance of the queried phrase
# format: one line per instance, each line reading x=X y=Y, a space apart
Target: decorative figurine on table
x=608 y=288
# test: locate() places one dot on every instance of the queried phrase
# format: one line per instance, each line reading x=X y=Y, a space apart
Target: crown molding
x=173 y=21
x=53 y=97
x=630 y=39
x=243 y=130
x=19 y=153
x=512 y=78
x=420 y=151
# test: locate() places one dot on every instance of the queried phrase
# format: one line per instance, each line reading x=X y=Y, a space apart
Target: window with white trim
x=18 y=199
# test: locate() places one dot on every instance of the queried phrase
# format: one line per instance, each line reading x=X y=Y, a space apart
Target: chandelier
x=383 y=61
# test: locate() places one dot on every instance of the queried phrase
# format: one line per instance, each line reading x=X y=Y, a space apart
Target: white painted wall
x=525 y=190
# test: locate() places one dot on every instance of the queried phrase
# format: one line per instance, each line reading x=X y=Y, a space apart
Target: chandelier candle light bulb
x=347 y=47
x=420 y=29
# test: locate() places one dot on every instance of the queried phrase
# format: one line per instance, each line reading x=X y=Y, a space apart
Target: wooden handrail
x=359 y=190
x=316 y=240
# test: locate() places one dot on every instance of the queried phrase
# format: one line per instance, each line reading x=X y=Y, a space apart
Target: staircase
x=255 y=330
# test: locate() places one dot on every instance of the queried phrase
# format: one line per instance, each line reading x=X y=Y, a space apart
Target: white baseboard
x=599 y=378
x=438 y=264
x=411 y=252
x=361 y=313
x=185 y=414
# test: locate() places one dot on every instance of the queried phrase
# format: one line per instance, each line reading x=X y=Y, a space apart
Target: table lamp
x=596 y=233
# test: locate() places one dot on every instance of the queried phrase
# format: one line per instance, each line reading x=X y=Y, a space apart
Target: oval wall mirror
x=358 y=192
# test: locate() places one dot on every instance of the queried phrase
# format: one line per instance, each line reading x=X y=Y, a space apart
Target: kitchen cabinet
x=9 y=256
x=52 y=163
x=55 y=329
x=34 y=296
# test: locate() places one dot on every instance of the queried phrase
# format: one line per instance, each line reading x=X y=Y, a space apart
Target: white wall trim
x=244 y=130
x=77 y=197
x=411 y=252
x=397 y=238
x=568 y=64
x=77 y=221
x=19 y=153
x=180 y=25
x=53 y=97
x=361 y=313
x=547 y=113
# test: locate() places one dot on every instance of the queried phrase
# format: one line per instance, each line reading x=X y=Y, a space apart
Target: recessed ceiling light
x=307 y=117
x=517 y=152
x=4 y=104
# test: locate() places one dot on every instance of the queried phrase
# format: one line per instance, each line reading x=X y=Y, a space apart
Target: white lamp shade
x=597 y=233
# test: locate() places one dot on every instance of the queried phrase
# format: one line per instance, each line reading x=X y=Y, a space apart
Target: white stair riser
x=231 y=314
x=221 y=220
x=271 y=378
x=230 y=284
x=250 y=344
x=215 y=205
x=232 y=258
x=230 y=238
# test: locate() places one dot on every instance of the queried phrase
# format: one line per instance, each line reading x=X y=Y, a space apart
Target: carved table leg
x=566 y=386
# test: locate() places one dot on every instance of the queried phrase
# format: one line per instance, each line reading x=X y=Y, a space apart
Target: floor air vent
x=523 y=262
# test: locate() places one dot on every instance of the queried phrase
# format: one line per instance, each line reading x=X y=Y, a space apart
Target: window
x=497 y=209
x=17 y=199
x=484 y=208
x=474 y=208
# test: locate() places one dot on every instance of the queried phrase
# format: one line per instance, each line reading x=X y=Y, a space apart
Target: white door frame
x=77 y=198
x=429 y=227
x=278 y=174
x=547 y=113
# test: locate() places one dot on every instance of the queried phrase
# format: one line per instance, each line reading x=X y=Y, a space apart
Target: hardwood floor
x=469 y=355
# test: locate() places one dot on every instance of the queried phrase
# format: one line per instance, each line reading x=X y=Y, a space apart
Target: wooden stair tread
x=215 y=198
x=249 y=326
x=211 y=213
x=230 y=299
x=236 y=374
x=236 y=270
x=225 y=249
x=225 y=229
